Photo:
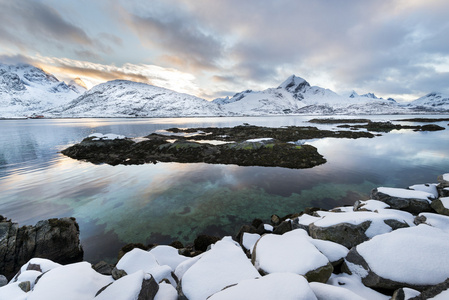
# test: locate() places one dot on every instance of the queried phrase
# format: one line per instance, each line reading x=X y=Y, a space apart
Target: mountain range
x=26 y=90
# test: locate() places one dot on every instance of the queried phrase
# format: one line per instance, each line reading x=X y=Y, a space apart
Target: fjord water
x=160 y=203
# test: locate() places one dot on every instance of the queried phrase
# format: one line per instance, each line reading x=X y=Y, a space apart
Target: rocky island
x=240 y=145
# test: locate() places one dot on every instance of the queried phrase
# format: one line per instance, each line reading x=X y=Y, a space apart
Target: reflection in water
x=170 y=201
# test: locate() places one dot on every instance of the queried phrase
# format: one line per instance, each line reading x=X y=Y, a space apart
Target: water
x=170 y=201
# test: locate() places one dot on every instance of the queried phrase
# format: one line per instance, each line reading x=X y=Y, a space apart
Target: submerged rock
x=55 y=239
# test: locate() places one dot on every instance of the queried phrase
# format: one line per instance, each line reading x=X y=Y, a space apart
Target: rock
x=439 y=291
x=271 y=286
x=382 y=262
x=275 y=220
x=140 y=284
x=223 y=265
x=443 y=180
x=25 y=286
x=354 y=284
x=352 y=228
x=203 y=241
x=443 y=192
x=303 y=222
x=103 y=267
x=3 y=280
x=291 y=252
x=55 y=239
x=441 y=206
x=245 y=229
x=282 y=228
x=177 y=245
x=118 y=273
x=412 y=201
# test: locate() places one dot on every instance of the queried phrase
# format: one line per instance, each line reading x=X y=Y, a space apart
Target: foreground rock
x=382 y=262
x=412 y=201
x=55 y=239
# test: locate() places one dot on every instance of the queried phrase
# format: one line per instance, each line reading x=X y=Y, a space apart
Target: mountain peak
x=293 y=82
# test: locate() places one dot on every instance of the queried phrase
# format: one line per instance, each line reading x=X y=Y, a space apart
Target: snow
x=425 y=262
x=445 y=201
x=306 y=219
x=225 y=264
x=429 y=188
x=446 y=176
x=74 y=281
x=437 y=220
x=406 y=194
x=377 y=226
x=126 y=288
x=410 y=293
x=331 y=250
x=285 y=286
x=259 y=140
x=444 y=295
x=167 y=255
x=291 y=252
x=12 y=292
x=329 y=292
x=373 y=205
x=137 y=259
x=249 y=240
x=30 y=276
x=268 y=227
x=107 y=136
x=162 y=272
x=166 y=292
x=355 y=285
x=185 y=265
x=44 y=264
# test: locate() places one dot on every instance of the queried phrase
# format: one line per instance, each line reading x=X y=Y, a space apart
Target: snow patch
x=406 y=194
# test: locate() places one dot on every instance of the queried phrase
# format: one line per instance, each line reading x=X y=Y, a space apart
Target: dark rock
x=321 y=274
x=438 y=206
x=103 y=267
x=337 y=121
x=433 y=291
x=345 y=234
x=283 y=228
x=275 y=220
x=54 y=239
x=148 y=290
x=399 y=294
x=118 y=273
x=296 y=225
x=203 y=241
x=25 y=286
x=177 y=245
x=412 y=205
x=256 y=223
x=443 y=192
x=3 y=281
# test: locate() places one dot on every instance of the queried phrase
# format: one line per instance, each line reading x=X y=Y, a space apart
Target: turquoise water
x=170 y=201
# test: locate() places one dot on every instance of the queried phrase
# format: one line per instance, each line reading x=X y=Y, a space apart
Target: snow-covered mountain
x=296 y=96
x=27 y=90
x=431 y=102
x=121 y=98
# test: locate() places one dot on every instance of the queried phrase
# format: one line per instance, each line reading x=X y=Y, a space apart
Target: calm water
x=170 y=201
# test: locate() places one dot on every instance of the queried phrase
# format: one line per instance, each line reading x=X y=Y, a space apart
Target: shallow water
x=170 y=201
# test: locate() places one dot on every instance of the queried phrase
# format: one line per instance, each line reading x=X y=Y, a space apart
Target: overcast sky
x=394 y=48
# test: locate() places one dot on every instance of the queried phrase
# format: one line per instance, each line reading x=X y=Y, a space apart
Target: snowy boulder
x=166 y=292
x=74 y=281
x=443 y=180
x=249 y=240
x=441 y=206
x=354 y=284
x=3 y=280
x=167 y=255
x=303 y=222
x=40 y=265
x=283 y=286
x=352 y=228
x=13 y=292
x=428 y=188
x=370 y=205
x=434 y=220
x=412 y=201
x=136 y=286
x=291 y=252
x=223 y=265
x=334 y=252
x=405 y=294
x=414 y=257
x=437 y=292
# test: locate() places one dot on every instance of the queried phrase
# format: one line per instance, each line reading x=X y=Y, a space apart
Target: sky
x=394 y=48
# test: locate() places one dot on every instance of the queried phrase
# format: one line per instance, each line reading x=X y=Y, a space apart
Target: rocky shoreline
x=393 y=246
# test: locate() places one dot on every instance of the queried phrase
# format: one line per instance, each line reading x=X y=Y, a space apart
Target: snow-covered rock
x=441 y=205
x=285 y=286
x=329 y=292
x=444 y=180
x=74 y=281
x=414 y=257
x=352 y=228
x=13 y=292
x=108 y=136
x=435 y=220
x=354 y=284
x=249 y=240
x=430 y=188
x=413 y=201
x=167 y=255
x=138 y=285
x=291 y=252
x=121 y=98
x=224 y=265
x=370 y=205
x=431 y=102
x=166 y=292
